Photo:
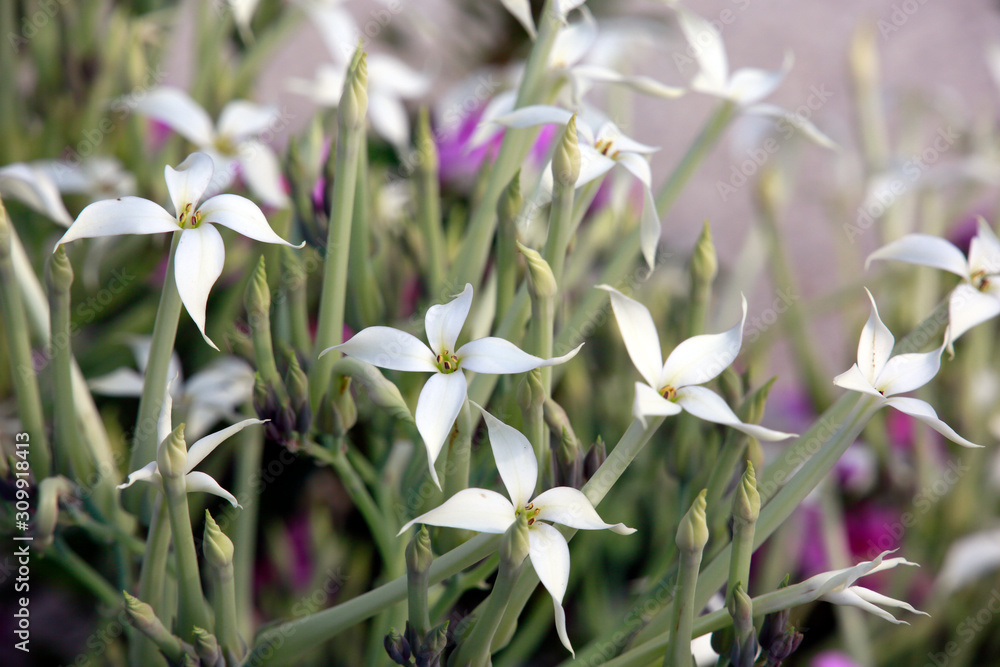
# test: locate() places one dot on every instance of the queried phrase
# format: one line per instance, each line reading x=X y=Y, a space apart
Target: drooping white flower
x=671 y=386
x=487 y=511
x=231 y=143
x=977 y=298
x=196 y=453
x=36 y=189
x=442 y=397
x=213 y=393
x=600 y=151
x=200 y=252
x=878 y=375
x=837 y=587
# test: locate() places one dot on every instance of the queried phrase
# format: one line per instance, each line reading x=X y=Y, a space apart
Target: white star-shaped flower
x=487 y=511
x=193 y=479
x=200 y=252
x=671 y=386
x=977 y=298
x=442 y=397
x=878 y=375
x=231 y=142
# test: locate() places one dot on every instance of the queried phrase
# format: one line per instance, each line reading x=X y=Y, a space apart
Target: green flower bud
x=541 y=281
x=418 y=552
x=427 y=154
x=59 y=272
x=692 y=533
x=171 y=455
x=354 y=99
x=381 y=391
x=433 y=646
x=514 y=545
x=145 y=619
x=704 y=263
x=511 y=201
x=296 y=381
x=756 y=402
x=50 y=491
x=595 y=458
x=531 y=393
x=746 y=503
x=206 y=646
x=740 y=607
x=566 y=160
x=258 y=295
x=217 y=546
x=397 y=647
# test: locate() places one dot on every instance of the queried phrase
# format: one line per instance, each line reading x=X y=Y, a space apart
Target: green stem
x=368 y=303
x=742 y=551
x=248 y=458
x=224 y=605
x=474 y=651
x=429 y=206
x=298 y=310
x=679 y=650
x=85 y=574
x=153 y=581
x=459 y=453
x=192 y=611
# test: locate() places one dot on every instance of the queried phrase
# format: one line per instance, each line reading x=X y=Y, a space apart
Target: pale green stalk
x=544 y=290
x=746 y=510
x=418 y=562
x=248 y=458
x=704 y=267
x=153 y=581
x=258 y=305
x=459 y=453
x=531 y=397
x=365 y=296
x=29 y=401
x=330 y=327
x=429 y=204
x=863 y=58
x=508 y=210
x=295 y=289
x=84 y=573
x=692 y=536
x=219 y=552
x=565 y=172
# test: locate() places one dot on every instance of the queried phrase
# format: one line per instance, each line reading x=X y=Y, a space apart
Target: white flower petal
x=200 y=481
x=199 y=450
x=175 y=108
x=469 y=509
x=701 y=358
x=850 y=598
x=444 y=321
x=638 y=82
x=437 y=407
x=984 y=250
x=906 y=372
x=515 y=459
x=500 y=357
x=570 y=507
x=637 y=165
x=148 y=473
x=650 y=228
x=875 y=345
x=610 y=133
x=241 y=119
x=925 y=250
x=535 y=114
x=337 y=28
x=750 y=85
x=593 y=164
x=708 y=49
x=874 y=597
x=113 y=217
x=262 y=173
x=968 y=307
x=390 y=348
x=388 y=117
x=638 y=333
x=706 y=404
x=119 y=382
x=521 y=9
x=32 y=186
x=573 y=41
x=242 y=216
x=854 y=380
x=390 y=76
x=189 y=181
x=198 y=263
x=549 y=555
x=925 y=413
x=649 y=403
x=796 y=121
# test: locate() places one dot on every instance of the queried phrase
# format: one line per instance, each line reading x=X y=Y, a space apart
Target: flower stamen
x=669 y=393
x=446 y=362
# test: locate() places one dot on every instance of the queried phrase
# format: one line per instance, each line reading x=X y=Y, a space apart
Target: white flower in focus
x=213 y=393
x=193 y=480
x=671 y=386
x=442 y=397
x=489 y=512
x=977 y=298
x=878 y=375
x=200 y=252
x=230 y=143
x=837 y=587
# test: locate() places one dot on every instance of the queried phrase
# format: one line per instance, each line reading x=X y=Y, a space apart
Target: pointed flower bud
x=59 y=272
x=427 y=154
x=397 y=647
x=258 y=296
x=298 y=386
x=704 y=263
x=740 y=607
x=782 y=649
x=217 y=546
x=775 y=624
x=746 y=503
x=595 y=458
x=692 y=533
x=146 y=620
x=434 y=645
x=757 y=401
x=418 y=552
x=511 y=201
x=50 y=491
x=541 y=281
x=514 y=545
x=354 y=99
x=531 y=393
x=171 y=455
x=206 y=646
x=566 y=160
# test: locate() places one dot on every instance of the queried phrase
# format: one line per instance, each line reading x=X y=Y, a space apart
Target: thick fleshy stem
x=29 y=401
x=351 y=127
x=418 y=562
x=153 y=580
x=459 y=453
x=692 y=536
x=508 y=210
x=746 y=509
x=544 y=290
x=258 y=305
x=565 y=172
x=248 y=458
x=219 y=550
x=368 y=304
x=429 y=204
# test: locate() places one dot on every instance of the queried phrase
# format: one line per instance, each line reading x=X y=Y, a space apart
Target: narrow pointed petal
x=854 y=380
x=805 y=127
x=36 y=188
x=535 y=114
x=549 y=555
x=925 y=250
x=750 y=85
x=390 y=348
x=189 y=181
x=701 y=358
x=849 y=598
x=395 y=77
x=164 y=420
x=114 y=217
x=200 y=481
x=706 y=404
x=389 y=120
x=868 y=595
x=593 y=164
x=649 y=403
x=500 y=357
x=263 y=173
x=968 y=307
x=984 y=250
x=147 y=473
x=241 y=119
x=199 y=450
x=650 y=228
x=638 y=333
x=620 y=143
x=574 y=40
x=925 y=413
x=570 y=507
x=175 y=108
x=521 y=10
x=443 y=322
x=637 y=165
x=197 y=265
x=708 y=49
x=437 y=407
x=875 y=345
x=469 y=509
x=514 y=457
x=243 y=217
x=906 y=372
x=643 y=84
x=119 y=382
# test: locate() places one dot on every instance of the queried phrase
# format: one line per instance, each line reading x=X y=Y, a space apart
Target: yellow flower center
x=531 y=512
x=668 y=393
x=224 y=145
x=981 y=280
x=604 y=146
x=188 y=219
x=447 y=362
